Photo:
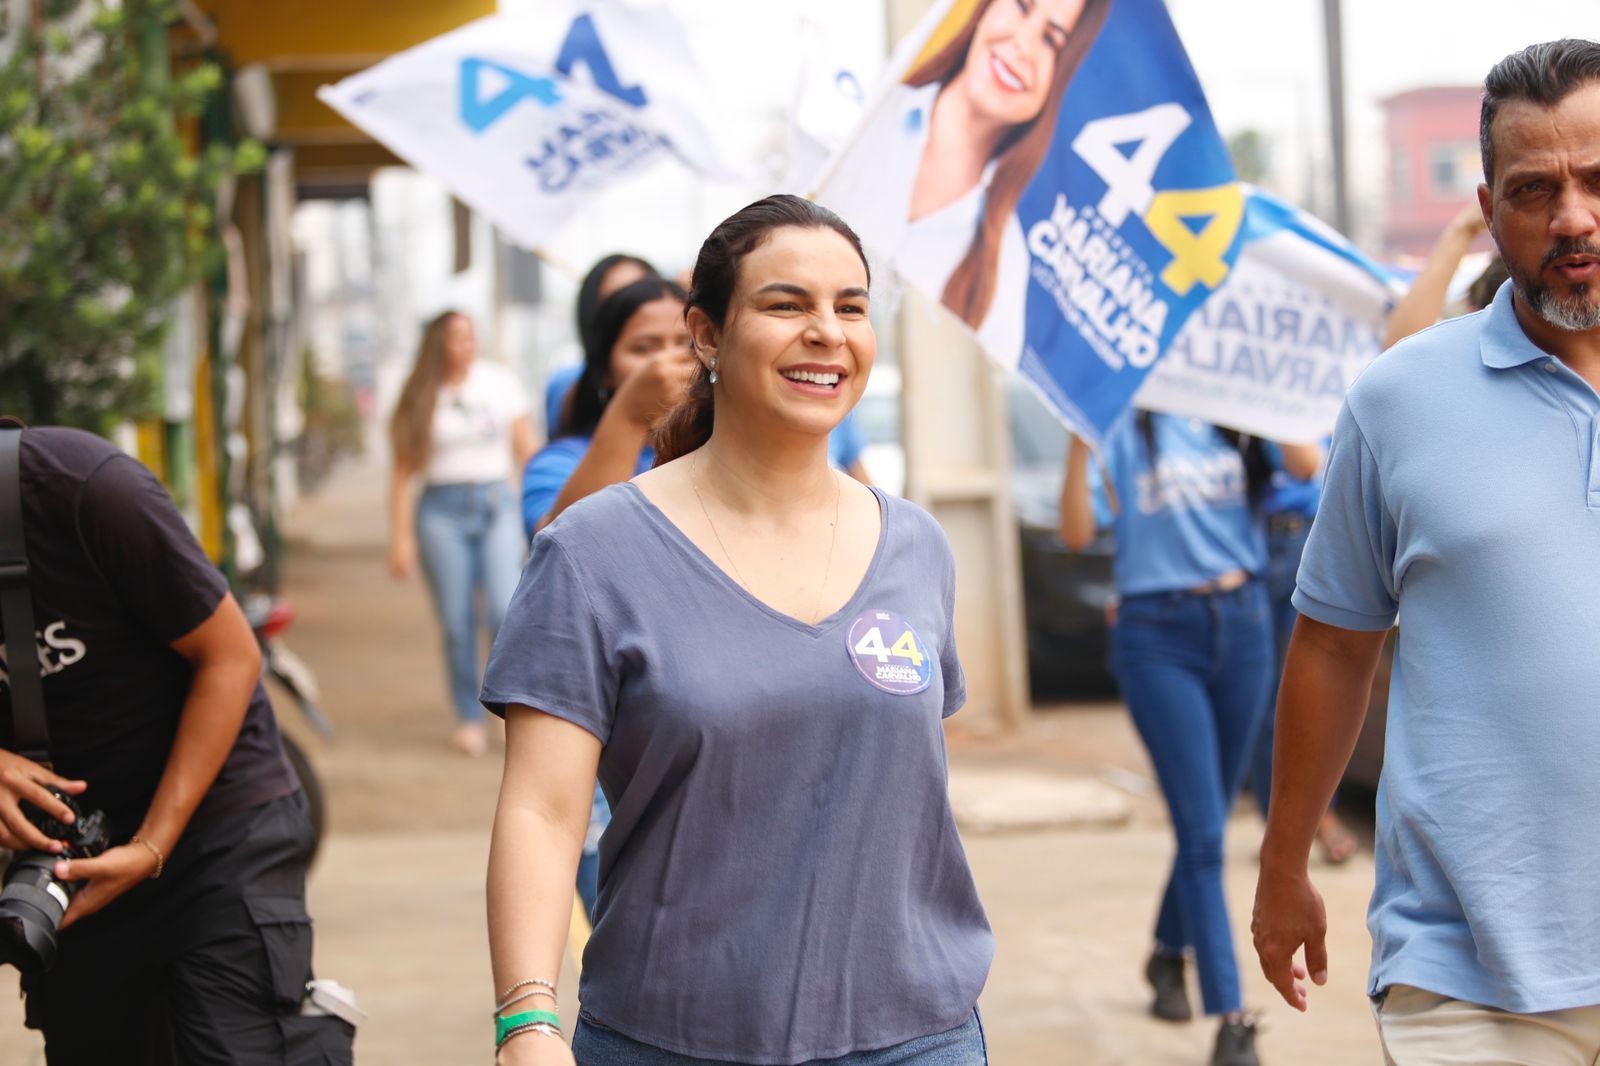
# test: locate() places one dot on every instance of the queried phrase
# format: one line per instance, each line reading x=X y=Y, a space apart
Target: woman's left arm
x=1078 y=525
x=1303 y=462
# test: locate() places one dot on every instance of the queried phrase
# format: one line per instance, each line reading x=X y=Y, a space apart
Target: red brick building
x=1431 y=141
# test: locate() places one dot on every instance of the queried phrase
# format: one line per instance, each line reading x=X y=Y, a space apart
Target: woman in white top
x=461 y=427
x=980 y=111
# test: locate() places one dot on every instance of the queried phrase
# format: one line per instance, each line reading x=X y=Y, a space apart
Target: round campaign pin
x=889 y=653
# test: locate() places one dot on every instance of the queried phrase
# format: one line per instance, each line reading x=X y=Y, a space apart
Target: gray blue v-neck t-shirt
x=782 y=879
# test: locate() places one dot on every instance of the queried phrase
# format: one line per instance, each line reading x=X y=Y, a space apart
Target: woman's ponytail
x=688 y=425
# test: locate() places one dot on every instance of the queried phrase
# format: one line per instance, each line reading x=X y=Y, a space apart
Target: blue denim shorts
x=595 y=1045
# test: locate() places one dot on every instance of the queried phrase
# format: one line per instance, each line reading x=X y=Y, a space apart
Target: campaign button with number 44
x=889 y=654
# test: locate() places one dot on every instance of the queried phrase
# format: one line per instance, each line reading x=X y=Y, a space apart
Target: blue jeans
x=595 y=1045
x=1286 y=542
x=589 y=859
x=470 y=539
x=1195 y=669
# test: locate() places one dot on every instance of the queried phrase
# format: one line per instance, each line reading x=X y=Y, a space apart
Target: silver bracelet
x=529 y=995
x=524 y=984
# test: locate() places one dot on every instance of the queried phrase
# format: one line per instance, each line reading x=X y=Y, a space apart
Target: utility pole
x=958 y=466
x=1333 y=40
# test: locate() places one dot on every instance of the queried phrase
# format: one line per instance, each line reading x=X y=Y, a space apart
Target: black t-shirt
x=116 y=577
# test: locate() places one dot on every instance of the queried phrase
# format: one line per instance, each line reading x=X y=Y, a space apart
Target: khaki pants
x=1419 y=1028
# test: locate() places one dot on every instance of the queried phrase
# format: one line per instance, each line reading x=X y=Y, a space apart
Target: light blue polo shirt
x=1463 y=492
x=1185 y=520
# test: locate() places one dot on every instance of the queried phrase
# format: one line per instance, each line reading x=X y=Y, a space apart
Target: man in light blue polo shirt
x=1463 y=492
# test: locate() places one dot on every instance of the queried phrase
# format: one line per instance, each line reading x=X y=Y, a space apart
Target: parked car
x=1065 y=593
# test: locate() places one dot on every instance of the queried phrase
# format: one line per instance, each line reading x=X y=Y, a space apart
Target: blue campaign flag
x=1132 y=223
x=1106 y=212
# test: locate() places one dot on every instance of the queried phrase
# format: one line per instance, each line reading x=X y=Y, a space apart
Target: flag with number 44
x=1048 y=171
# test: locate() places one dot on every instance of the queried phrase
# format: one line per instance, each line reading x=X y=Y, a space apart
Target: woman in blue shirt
x=636 y=368
x=1289 y=507
x=1192 y=651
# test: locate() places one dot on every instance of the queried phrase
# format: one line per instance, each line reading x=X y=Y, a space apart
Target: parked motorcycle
x=269 y=616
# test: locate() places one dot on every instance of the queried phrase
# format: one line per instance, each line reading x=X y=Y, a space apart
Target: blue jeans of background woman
x=589 y=858
x=595 y=1045
x=1194 y=669
x=1286 y=542
x=470 y=538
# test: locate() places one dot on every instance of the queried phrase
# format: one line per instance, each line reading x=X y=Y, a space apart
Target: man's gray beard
x=1575 y=313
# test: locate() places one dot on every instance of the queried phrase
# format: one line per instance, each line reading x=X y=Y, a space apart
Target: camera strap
x=30 y=738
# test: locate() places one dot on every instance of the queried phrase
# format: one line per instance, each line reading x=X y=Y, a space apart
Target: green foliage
x=1251 y=158
x=105 y=214
x=333 y=426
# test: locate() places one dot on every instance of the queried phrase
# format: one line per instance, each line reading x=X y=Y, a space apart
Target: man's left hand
x=104 y=878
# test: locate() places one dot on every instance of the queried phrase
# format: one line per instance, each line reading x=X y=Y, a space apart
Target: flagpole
x=1333 y=41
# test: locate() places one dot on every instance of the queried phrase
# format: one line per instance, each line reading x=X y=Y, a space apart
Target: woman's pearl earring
x=713 y=370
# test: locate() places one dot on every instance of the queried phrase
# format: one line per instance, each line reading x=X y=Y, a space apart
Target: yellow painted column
x=208 y=481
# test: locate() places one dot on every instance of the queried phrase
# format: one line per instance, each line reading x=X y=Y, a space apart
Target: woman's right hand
x=402 y=556
x=534 y=1049
x=657 y=387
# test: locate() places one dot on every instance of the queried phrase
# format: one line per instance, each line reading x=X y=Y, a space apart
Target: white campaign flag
x=1272 y=352
x=827 y=109
x=523 y=117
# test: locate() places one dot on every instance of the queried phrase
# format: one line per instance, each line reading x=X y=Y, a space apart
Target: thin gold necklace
x=827 y=568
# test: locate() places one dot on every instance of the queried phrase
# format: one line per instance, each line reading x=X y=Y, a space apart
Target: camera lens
x=31 y=905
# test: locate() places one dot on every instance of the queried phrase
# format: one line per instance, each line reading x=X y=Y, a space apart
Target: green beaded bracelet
x=503 y=1026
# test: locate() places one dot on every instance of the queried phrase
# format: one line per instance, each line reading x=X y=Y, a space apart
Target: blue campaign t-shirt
x=847 y=442
x=548 y=472
x=782 y=879
x=1463 y=493
x=1288 y=494
x=1185 y=521
x=555 y=395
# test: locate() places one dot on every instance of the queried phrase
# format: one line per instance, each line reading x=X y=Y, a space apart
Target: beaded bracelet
x=523 y=984
x=551 y=996
x=547 y=1022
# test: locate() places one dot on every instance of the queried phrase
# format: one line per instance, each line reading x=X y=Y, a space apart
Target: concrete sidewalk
x=398 y=891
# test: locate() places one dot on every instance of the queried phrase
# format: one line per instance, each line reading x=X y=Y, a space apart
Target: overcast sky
x=1241 y=48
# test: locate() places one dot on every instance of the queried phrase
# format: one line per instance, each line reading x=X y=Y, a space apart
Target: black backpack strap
x=31 y=738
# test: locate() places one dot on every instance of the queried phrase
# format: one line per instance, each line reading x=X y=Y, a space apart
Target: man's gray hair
x=1543 y=74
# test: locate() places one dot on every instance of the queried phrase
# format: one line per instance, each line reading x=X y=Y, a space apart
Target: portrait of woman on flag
x=971 y=121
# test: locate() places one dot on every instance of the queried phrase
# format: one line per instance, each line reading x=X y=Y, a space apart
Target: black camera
x=33 y=899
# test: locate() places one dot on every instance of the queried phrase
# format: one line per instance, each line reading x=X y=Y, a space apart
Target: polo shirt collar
x=1502 y=344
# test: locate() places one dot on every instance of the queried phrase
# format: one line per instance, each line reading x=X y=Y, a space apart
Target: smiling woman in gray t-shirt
x=756 y=654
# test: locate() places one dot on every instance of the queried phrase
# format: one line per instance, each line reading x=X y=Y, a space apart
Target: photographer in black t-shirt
x=188 y=939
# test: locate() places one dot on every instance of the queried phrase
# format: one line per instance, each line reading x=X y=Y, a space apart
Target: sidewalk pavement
x=398 y=890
